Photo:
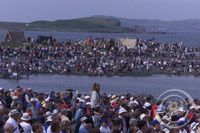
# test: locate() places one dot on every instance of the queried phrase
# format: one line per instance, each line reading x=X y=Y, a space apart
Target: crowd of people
x=23 y=110
x=99 y=57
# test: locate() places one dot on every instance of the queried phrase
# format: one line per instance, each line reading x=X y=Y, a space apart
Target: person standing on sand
x=95 y=96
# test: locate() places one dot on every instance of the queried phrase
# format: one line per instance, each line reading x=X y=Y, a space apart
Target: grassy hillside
x=107 y=24
x=89 y=24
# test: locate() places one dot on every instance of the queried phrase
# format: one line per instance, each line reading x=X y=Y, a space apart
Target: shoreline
x=24 y=76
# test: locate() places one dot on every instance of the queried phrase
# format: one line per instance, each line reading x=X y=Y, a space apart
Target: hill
x=108 y=24
x=190 y=25
x=153 y=25
x=88 y=24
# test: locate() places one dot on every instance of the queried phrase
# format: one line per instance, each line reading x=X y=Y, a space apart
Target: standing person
x=78 y=115
x=86 y=124
x=2 y=97
x=95 y=97
x=34 y=110
x=13 y=120
x=8 y=99
x=25 y=123
x=122 y=115
x=2 y=119
x=26 y=97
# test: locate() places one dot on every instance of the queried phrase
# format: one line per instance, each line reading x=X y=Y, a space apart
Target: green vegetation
x=89 y=24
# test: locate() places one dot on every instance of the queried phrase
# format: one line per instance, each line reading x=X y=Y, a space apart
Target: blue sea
x=153 y=85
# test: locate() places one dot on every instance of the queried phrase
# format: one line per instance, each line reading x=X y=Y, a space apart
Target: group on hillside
x=99 y=57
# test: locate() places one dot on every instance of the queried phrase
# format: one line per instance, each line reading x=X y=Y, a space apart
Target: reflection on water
x=153 y=85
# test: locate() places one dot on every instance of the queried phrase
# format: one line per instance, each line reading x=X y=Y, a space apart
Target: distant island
x=108 y=24
x=88 y=24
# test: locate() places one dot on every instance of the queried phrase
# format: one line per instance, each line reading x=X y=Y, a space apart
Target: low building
x=15 y=37
x=44 y=39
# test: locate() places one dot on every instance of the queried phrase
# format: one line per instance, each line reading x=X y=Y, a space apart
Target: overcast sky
x=31 y=10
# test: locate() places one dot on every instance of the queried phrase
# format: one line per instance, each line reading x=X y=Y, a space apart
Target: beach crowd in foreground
x=99 y=57
x=23 y=110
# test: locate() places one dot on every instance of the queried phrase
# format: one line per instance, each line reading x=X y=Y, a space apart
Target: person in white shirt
x=24 y=124
x=14 y=116
x=122 y=115
x=95 y=96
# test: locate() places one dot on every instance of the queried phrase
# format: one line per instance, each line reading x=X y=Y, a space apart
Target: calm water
x=153 y=85
x=189 y=39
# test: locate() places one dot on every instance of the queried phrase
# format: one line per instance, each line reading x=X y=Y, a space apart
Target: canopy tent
x=130 y=43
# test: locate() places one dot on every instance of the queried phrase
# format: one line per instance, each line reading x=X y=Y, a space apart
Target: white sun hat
x=122 y=110
x=25 y=117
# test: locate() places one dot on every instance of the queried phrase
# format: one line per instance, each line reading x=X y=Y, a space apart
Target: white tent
x=130 y=43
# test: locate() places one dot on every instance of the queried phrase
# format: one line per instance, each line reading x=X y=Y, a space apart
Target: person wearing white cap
x=88 y=109
x=25 y=123
x=133 y=104
x=142 y=116
x=122 y=115
x=114 y=96
x=14 y=116
x=47 y=114
x=122 y=97
x=1 y=89
x=33 y=109
x=47 y=123
x=55 y=111
x=86 y=100
x=147 y=105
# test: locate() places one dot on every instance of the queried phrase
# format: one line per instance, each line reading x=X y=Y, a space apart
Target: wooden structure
x=15 y=37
